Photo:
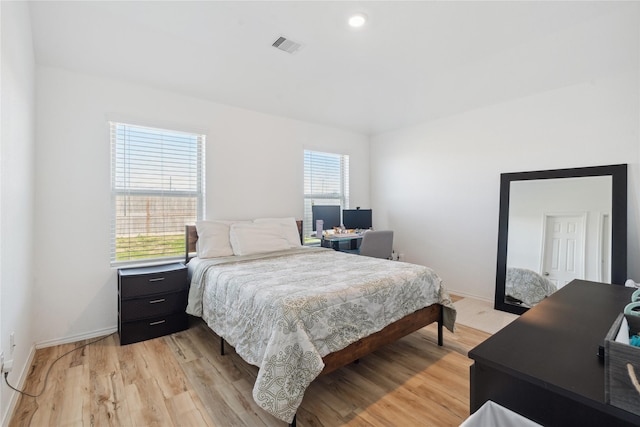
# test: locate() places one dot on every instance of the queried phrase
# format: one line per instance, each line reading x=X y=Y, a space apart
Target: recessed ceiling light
x=357 y=20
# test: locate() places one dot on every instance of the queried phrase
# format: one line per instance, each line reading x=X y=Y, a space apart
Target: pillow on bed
x=213 y=239
x=288 y=227
x=255 y=238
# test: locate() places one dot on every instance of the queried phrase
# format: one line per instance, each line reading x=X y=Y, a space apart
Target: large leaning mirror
x=556 y=226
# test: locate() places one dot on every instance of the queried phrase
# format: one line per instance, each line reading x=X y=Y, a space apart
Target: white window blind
x=157 y=186
x=326 y=182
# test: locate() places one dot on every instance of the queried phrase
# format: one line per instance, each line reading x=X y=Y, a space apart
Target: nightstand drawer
x=135 y=282
x=150 y=306
x=153 y=327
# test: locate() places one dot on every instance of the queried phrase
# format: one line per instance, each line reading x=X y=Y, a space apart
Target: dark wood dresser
x=151 y=302
x=545 y=366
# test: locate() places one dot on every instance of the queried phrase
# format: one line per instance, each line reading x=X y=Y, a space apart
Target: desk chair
x=377 y=244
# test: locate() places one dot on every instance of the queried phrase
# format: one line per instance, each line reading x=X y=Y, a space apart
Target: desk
x=544 y=365
x=334 y=240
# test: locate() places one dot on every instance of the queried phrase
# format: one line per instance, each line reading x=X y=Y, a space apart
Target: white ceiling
x=413 y=62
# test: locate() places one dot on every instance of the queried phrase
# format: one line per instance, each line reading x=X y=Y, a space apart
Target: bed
x=526 y=287
x=298 y=312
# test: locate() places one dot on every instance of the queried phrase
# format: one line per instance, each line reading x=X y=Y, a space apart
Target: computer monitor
x=359 y=219
x=330 y=214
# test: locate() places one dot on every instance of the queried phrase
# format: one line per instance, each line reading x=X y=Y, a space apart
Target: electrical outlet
x=7 y=366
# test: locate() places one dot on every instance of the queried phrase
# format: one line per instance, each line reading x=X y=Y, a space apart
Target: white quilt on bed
x=285 y=311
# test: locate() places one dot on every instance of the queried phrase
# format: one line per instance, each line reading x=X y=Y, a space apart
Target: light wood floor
x=182 y=380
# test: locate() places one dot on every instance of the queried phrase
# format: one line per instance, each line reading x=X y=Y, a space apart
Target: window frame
x=313 y=198
x=120 y=191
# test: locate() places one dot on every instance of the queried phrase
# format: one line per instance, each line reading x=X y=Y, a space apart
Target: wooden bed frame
x=366 y=345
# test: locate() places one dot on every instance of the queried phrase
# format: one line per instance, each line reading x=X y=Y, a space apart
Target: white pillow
x=288 y=227
x=255 y=238
x=213 y=239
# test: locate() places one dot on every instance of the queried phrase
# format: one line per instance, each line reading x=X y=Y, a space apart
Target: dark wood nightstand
x=151 y=302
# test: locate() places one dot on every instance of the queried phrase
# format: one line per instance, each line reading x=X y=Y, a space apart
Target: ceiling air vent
x=286 y=45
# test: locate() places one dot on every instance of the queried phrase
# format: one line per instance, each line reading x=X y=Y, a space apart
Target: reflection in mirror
x=558 y=231
x=562 y=225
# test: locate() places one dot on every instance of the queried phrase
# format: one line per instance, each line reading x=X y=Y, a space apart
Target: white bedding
x=285 y=310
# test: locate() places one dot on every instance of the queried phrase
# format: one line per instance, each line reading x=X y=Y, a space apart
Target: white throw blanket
x=284 y=311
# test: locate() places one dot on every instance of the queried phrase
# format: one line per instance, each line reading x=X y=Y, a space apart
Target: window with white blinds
x=326 y=182
x=157 y=186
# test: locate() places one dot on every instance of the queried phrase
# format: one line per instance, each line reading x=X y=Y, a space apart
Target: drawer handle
x=157 y=323
x=155 y=301
x=157 y=279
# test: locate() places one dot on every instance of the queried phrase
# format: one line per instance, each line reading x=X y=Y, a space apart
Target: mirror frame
x=618 y=174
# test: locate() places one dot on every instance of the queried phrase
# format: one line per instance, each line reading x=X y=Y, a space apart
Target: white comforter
x=284 y=311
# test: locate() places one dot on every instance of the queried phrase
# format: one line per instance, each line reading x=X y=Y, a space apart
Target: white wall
x=16 y=192
x=254 y=168
x=437 y=184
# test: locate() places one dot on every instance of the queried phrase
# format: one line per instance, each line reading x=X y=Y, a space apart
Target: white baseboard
x=76 y=338
x=467 y=295
x=22 y=378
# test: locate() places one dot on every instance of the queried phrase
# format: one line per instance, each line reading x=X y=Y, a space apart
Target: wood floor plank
x=182 y=380
x=186 y=409
x=183 y=347
x=164 y=367
x=147 y=404
x=51 y=403
x=206 y=382
x=385 y=396
x=327 y=387
x=102 y=355
x=109 y=406
x=75 y=397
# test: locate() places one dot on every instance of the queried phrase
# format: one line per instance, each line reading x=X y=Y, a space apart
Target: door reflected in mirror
x=559 y=230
